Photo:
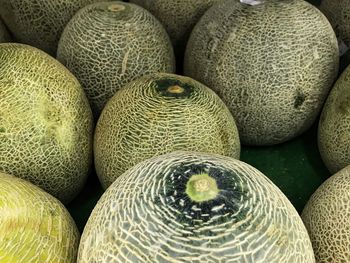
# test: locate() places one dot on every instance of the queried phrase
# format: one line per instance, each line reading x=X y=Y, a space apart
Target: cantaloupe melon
x=45 y=121
x=39 y=23
x=34 y=226
x=4 y=34
x=158 y=114
x=272 y=64
x=338 y=14
x=194 y=207
x=327 y=216
x=106 y=45
x=334 y=125
x=178 y=16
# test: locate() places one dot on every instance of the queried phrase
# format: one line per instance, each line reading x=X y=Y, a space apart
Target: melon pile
x=136 y=113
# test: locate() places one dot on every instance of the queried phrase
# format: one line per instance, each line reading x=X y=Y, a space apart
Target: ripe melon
x=327 y=216
x=4 y=34
x=338 y=14
x=194 y=207
x=39 y=23
x=45 y=122
x=272 y=64
x=158 y=114
x=34 y=226
x=106 y=45
x=334 y=125
x=178 y=17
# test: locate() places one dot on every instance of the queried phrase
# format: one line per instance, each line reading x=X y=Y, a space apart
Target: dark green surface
x=81 y=207
x=295 y=167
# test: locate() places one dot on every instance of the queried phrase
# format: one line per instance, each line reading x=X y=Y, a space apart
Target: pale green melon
x=34 y=226
x=45 y=122
x=194 y=207
x=4 y=34
x=338 y=14
x=178 y=16
x=272 y=64
x=158 y=114
x=106 y=45
x=39 y=23
x=334 y=125
x=327 y=216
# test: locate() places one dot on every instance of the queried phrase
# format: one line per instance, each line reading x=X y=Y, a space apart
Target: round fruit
x=179 y=17
x=106 y=45
x=272 y=64
x=194 y=207
x=334 y=125
x=39 y=23
x=327 y=216
x=158 y=114
x=46 y=124
x=4 y=35
x=338 y=14
x=34 y=226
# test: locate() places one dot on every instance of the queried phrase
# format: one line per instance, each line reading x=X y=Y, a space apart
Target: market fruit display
x=334 y=125
x=194 y=207
x=4 y=34
x=178 y=17
x=108 y=44
x=34 y=226
x=158 y=114
x=338 y=14
x=99 y=137
x=326 y=217
x=39 y=23
x=273 y=64
x=45 y=122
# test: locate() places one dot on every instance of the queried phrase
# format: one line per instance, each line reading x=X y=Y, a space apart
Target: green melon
x=158 y=114
x=327 y=216
x=39 y=23
x=45 y=122
x=334 y=125
x=34 y=226
x=179 y=17
x=106 y=45
x=4 y=34
x=194 y=207
x=272 y=64
x=338 y=14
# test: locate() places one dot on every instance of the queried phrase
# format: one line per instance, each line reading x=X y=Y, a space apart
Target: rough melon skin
x=46 y=123
x=106 y=45
x=4 y=35
x=272 y=64
x=158 y=114
x=338 y=14
x=178 y=16
x=34 y=226
x=334 y=125
x=326 y=217
x=149 y=214
x=39 y=23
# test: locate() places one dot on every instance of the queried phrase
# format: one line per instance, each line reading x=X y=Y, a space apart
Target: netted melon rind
x=144 y=216
x=272 y=64
x=142 y=120
x=334 y=126
x=39 y=23
x=34 y=226
x=106 y=49
x=326 y=217
x=46 y=124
